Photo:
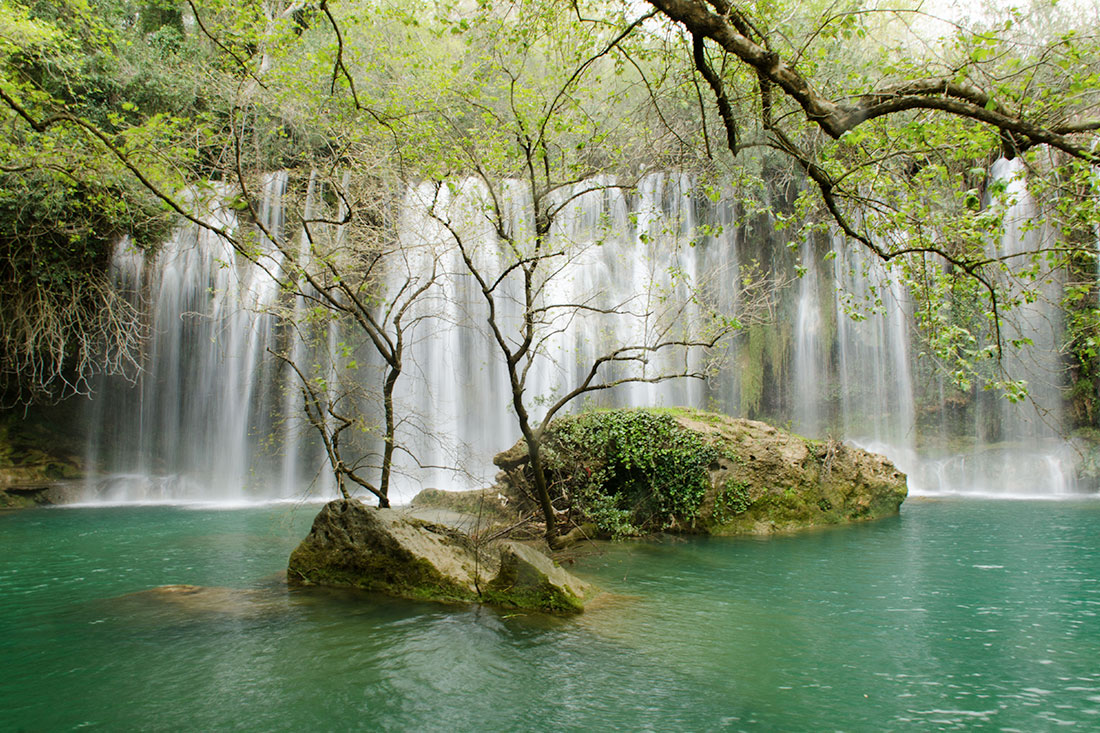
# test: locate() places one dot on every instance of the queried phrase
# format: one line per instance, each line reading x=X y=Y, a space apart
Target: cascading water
x=808 y=356
x=875 y=380
x=459 y=387
x=186 y=430
x=212 y=414
x=1017 y=445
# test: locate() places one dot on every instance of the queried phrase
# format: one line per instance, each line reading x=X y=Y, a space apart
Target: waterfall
x=1017 y=445
x=809 y=362
x=185 y=429
x=213 y=417
x=874 y=358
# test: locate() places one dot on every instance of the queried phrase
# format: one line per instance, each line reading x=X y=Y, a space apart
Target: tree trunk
x=542 y=490
x=388 y=437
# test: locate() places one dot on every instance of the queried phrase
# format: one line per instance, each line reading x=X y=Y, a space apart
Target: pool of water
x=958 y=614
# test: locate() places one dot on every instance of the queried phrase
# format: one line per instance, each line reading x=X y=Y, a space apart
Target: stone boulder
x=529 y=579
x=751 y=478
x=390 y=551
x=769 y=480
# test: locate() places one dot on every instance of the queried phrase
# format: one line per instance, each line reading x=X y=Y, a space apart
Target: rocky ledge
x=619 y=473
x=390 y=551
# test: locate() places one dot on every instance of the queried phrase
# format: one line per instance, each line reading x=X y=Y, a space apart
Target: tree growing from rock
x=355 y=277
x=539 y=105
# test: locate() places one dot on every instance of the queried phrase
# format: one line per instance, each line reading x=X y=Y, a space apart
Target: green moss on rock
x=352 y=545
x=529 y=579
x=385 y=550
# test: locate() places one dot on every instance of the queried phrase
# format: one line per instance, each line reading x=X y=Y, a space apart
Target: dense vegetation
x=628 y=470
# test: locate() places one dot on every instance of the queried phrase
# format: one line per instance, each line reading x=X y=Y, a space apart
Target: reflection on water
x=956 y=615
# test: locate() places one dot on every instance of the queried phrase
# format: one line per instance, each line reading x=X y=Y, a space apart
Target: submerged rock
x=176 y=603
x=387 y=550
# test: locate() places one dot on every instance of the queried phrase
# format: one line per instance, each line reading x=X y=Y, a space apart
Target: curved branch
x=836 y=118
x=725 y=111
x=225 y=49
x=827 y=186
x=338 y=66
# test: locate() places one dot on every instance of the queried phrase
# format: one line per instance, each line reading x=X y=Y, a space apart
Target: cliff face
x=40 y=456
x=624 y=472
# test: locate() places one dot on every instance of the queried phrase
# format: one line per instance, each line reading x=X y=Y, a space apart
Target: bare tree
x=652 y=335
x=391 y=279
x=352 y=267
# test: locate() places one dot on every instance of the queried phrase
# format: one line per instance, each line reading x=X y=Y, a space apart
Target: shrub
x=628 y=470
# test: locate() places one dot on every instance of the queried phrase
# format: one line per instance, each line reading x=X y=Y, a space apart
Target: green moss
x=732 y=500
x=767 y=350
x=778 y=348
x=751 y=370
x=534 y=593
x=690 y=413
x=15 y=501
x=410 y=577
x=783 y=507
x=521 y=585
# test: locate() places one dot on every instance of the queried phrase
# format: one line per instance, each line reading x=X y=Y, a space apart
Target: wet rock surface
x=393 y=552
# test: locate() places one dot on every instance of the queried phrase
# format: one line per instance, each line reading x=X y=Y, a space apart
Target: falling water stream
x=213 y=417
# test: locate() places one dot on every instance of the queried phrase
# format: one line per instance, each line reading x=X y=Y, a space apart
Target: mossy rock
x=640 y=471
x=40 y=461
x=529 y=579
x=15 y=500
x=388 y=551
x=352 y=545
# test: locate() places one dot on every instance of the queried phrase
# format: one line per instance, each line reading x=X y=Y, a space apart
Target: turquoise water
x=959 y=614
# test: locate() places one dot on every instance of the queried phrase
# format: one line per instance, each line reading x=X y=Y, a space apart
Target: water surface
x=959 y=614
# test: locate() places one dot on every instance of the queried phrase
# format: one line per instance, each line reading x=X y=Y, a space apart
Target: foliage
x=64 y=205
x=60 y=318
x=97 y=92
x=732 y=500
x=631 y=470
x=896 y=121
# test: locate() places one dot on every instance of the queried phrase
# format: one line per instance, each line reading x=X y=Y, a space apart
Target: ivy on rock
x=628 y=471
